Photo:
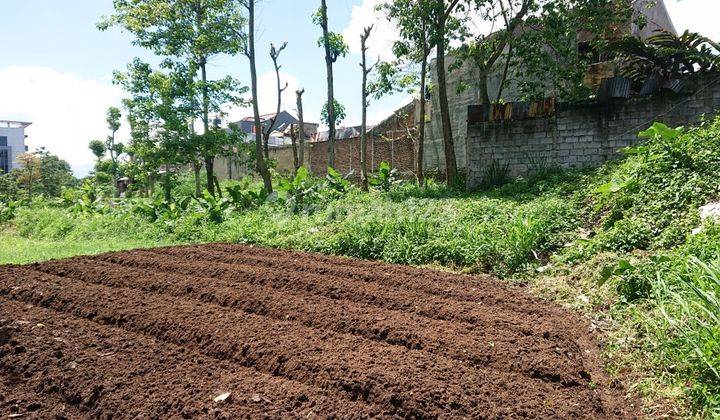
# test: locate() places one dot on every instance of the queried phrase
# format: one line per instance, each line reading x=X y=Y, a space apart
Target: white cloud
x=383 y=34
x=267 y=95
x=695 y=15
x=66 y=110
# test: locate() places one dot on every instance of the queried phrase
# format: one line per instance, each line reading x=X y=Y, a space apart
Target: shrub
x=43 y=222
x=624 y=236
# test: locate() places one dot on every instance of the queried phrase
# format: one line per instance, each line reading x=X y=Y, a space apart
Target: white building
x=12 y=144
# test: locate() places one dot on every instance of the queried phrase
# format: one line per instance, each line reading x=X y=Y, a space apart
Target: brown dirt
x=160 y=333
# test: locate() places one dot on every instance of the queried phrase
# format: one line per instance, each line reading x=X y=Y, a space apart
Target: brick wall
x=579 y=135
x=399 y=153
x=392 y=141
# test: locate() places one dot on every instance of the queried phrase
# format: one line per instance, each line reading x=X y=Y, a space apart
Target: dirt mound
x=163 y=332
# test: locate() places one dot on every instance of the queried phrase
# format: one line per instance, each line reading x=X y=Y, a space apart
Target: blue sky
x=56 y=67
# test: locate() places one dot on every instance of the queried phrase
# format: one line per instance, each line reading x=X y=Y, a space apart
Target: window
x=3 y=141
x=4 y=160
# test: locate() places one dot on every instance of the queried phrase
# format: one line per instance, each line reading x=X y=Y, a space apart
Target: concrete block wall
x=579 y=135
x=283 y=157
x=462 y=91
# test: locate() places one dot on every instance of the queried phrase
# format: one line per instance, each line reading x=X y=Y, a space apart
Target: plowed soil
x=160 y=333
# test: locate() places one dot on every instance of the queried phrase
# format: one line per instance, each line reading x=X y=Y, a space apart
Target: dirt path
x=158 y=333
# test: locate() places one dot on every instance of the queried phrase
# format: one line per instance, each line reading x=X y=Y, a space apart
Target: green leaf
x=661 y=131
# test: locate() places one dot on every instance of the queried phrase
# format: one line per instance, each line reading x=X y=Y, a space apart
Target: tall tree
x=41 y=173
x=535 y=44
x=301 y=128
x=335 y=47
x=29 y=173
x=160 y=107
x=442 y=13
x=294 y=134
x=250 y=53
x=274 y=54
x=363 y=127
x=413 y=19
x=190 y=31
x=55 y=174
x=98 y=148
x=340 y=114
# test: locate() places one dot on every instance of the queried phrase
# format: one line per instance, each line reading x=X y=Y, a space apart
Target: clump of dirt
x=227 y=330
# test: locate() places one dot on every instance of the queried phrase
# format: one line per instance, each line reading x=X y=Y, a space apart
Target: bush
x=662 y=182
x=689 y=331
x=43 y=222
x=624 y=236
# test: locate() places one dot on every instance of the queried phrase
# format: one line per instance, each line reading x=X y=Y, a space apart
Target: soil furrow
x=430 y=282
x=480 y=345
x=440 y=283
x=94 y=370
x=339 y=288
x=19 y=400
x=409 y=382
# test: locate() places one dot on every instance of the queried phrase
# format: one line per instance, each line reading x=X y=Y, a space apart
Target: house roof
x=310 y=129
x=14 y=124
x=341 y=133
x=284 y=120
x=382 y=127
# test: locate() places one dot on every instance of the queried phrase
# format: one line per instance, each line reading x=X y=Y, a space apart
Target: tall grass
x=688 y=333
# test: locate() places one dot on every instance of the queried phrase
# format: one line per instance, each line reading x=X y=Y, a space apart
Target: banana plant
x=666 y=56
x=385 y=177
x=213 y=207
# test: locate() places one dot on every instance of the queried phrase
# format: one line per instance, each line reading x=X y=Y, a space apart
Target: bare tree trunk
x=196 y=173
x=274 y=54
x=150 y=191
x=505 y=74
x=330 y=94
x=166 y=183
x=511 y=23
x=113 y=158
x=259 y=160
x=363 y=127
x=421 y=123
x=293 y=140
x=217 y=186
x=301 y=128
x=208 y=160
x=266 y=146
x=449 y=146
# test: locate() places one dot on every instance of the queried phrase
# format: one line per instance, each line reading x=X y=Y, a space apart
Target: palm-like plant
x=666 y=55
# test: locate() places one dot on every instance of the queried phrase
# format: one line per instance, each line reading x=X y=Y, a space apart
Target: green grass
x=15 y=249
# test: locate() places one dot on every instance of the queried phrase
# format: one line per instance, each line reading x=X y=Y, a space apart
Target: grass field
x=15 y=249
